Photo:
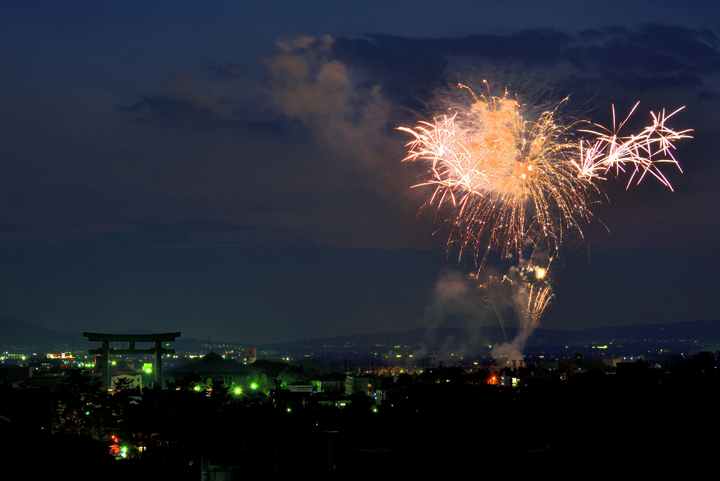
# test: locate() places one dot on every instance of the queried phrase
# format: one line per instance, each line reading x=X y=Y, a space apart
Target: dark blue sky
x=231 y=169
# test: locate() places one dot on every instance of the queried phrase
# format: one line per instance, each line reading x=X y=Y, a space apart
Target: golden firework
x=512 y=182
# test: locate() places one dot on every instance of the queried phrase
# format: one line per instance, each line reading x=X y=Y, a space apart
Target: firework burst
x=512 y=182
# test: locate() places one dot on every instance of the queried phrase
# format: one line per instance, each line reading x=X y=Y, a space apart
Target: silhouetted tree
x=219 y=394
x=257 y=381
x=83 y=403
x=293 y=374
x=189 y=382
x=704 y=361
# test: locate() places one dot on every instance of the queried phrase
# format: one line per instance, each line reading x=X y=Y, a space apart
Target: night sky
x=232 y=169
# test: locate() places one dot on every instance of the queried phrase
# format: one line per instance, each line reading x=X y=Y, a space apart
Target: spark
x=511 y=182
x=538 y=298
x=640 y=153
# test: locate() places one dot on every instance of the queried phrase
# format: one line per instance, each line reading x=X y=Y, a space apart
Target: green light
x=238 y=390
x=254 y=386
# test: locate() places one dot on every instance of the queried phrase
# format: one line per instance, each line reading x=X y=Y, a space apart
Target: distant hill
x=704 y=332
x=15 y=334
x=22 y=335
x=433 y=339
x=19 y=334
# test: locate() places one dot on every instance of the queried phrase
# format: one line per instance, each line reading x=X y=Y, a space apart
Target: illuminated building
x=364 y=384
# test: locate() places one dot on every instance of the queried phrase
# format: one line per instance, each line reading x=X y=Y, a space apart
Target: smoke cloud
x=346 y=114
x=457 y=303
x=344 y=117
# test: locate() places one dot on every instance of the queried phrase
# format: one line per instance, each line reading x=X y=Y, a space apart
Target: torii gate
x=105 y=351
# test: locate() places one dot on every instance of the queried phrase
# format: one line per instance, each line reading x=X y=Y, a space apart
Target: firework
x=519 y=297
x=642 y=154
x=525 y=304
x=538 y=298
x=512 y=182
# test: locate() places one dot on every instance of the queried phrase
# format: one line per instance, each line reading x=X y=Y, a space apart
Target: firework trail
x=520 y=296
x=498 y=295
x=511 y=183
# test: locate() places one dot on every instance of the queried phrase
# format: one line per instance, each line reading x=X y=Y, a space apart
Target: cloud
x=650 y=56
x=309 y=85
x=349 y=123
